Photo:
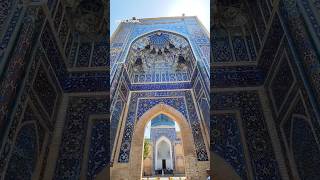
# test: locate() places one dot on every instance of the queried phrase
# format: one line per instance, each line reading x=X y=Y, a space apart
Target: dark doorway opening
x=164 y=164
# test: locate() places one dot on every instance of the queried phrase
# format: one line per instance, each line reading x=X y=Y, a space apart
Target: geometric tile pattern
x=262 y=157
x=98 y=151
x=226 y=141
x=282 y=82
x=45 y=91
x=182 y=101
x=72 y=145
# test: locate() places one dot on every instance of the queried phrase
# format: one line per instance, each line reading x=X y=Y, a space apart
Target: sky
x=126 y=9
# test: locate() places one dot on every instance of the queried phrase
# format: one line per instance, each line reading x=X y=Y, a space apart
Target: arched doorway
x=163 y=147
x=163 y=155
x=193 y=167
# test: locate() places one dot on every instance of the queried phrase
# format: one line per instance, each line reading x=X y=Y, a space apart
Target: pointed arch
x=166 y=140
x=193 y=168
x=123 y=59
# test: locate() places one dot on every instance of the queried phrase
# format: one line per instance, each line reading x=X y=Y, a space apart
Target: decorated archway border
x=85 y=116
x=140 y=102
x=193 y=168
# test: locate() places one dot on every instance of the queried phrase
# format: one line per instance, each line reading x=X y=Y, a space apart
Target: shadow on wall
x=221 y=170
x=103 y=174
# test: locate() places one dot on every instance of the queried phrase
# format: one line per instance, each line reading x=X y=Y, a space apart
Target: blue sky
x=126 y=9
